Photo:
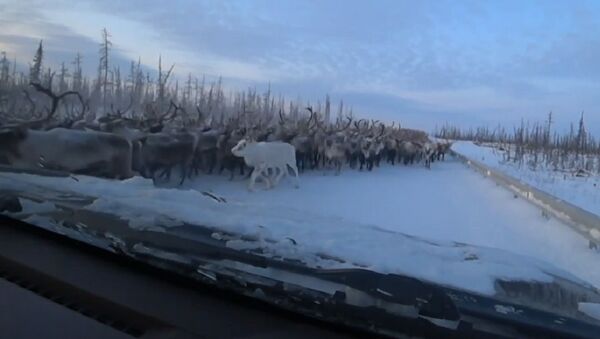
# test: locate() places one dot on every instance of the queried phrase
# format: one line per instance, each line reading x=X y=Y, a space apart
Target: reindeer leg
x=318 y=161
x=231 y=172
x=183 y=174
x=163 y=174
x=209 y=163
x=296 y=177
x=267 y=179
x=282 y=172
x=257 y=171
x=193 y=170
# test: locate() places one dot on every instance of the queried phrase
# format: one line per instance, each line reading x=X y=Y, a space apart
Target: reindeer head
x=239 y=133
x=12 y=134
x=366 y=144
x=10 y=138
x=334 y=145
x=240 y=148
x=381 y=136
x=354 y=143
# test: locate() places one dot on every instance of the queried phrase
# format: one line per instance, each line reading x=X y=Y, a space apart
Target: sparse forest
x=537 y=144
x=135 y=93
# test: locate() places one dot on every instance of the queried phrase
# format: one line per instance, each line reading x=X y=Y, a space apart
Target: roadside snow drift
x=581 y=191
x=405 y=220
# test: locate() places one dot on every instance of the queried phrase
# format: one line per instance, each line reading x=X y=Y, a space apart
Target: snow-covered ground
x=581 y=191
x=406 y=220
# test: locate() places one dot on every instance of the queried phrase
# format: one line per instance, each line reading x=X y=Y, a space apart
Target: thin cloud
x=487 y=60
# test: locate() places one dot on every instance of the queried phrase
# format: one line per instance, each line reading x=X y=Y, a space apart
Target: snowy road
x=364 y=217
x=581 y=191
x=449 y=203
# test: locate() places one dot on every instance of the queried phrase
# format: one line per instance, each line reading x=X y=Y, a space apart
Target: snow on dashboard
x=405 y=220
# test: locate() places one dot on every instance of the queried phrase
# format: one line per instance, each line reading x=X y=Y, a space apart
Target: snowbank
x=580 y=191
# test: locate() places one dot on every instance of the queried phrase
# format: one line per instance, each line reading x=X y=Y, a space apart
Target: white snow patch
x=507 y=309
x=580 y=191
x=32 y=207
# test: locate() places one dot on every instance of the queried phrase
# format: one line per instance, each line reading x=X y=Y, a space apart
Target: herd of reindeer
x=118 y=146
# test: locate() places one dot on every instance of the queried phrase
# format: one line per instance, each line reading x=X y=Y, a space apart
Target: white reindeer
x=267 y=155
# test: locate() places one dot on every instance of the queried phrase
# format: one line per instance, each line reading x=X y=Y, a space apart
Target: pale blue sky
x=420 y=62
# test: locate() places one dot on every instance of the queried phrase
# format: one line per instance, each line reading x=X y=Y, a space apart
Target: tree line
x=537 y=144
x=137 y=92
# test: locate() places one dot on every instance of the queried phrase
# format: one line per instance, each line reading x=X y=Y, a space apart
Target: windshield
x=452 y=143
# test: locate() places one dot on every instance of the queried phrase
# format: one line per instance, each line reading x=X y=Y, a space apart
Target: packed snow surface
x=448 y=225
x=583 y=192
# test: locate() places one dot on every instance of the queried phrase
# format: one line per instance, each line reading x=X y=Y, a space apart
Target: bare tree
x=162 y=82
x=4 y=71
x=35 y=70
x=62 y=78
x=581 y=136
x=327 y=109
x=77 y=73
x=103 y=66
x=118 y=90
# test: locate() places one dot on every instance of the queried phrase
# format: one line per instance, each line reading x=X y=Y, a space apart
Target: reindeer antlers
x=312 y=114
x=55 y=101
x=345 y=127
x=281 y=119
x=55 y=98
x=382 y=130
